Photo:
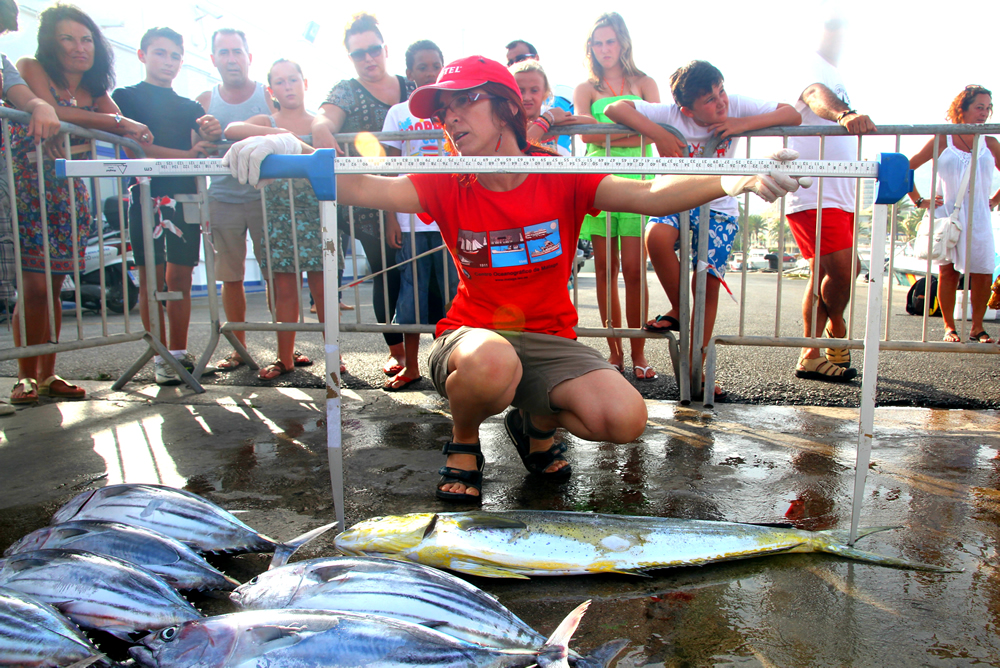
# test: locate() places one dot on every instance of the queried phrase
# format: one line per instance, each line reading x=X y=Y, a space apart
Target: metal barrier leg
x=869 y=377
x=710 y=352
x=331 y=330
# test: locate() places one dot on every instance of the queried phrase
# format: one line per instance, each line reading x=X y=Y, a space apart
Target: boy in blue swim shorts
x=703 y=112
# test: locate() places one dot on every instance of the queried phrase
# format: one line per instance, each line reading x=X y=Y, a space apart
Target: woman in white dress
x=973 y=105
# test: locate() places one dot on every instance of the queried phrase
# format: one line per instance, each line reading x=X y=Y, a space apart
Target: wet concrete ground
x=935 y=473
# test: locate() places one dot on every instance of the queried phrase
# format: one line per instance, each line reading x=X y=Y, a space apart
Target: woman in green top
x=614 y=76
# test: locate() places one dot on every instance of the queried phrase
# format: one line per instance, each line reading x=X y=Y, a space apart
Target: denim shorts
x=428 y=268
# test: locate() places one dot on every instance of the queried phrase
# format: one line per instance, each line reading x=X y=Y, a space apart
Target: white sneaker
x=188 y=361
x=6 y=409
x=165 y=374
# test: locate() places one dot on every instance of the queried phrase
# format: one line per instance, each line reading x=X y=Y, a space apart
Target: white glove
x=244 y=157
x=770 y=186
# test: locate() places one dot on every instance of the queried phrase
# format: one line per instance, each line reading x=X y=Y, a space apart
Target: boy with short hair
x=181 y=129
x=702 y=111
x=423 y=63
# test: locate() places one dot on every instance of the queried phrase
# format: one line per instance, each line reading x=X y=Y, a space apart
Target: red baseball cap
x=461 y=74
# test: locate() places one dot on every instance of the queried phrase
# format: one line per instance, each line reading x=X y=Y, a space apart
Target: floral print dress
x=57 y=206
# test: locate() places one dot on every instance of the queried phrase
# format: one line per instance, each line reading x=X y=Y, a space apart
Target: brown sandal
x=839 y=356
x=231 y=362
x=48 y=388
x=264 y=374
x=29 y=392
x=818 y=368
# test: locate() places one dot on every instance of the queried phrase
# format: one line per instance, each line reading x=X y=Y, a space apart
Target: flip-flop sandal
x=264 y=374
x=981 y=337
x=301 y=360
x=818 y=368
x=231 y=362
x=67 y=391
x=951 y=336
x=521 y=431
x=640 y=373
x=406 y=382
x=471 y=479
x=392 y=368
x=839 y=356
x=29 y=392
x=672 y=324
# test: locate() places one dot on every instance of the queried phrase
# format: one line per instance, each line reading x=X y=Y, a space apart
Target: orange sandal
x=66 y=390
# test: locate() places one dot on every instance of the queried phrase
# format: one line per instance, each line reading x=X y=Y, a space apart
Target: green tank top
x=597 y=111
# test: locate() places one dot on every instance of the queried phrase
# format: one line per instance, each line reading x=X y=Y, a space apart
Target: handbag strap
x=962 y=189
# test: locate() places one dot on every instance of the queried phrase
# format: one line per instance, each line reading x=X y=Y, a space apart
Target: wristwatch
x=118 y=120
x=920 y=200
x=844 y=114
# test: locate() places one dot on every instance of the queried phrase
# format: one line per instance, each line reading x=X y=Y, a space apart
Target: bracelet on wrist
x=920 y=200
x=844 y=114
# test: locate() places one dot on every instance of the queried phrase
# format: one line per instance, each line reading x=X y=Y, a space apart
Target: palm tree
x=756 y=226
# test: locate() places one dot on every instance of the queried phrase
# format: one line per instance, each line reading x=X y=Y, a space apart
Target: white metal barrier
x=892 y=172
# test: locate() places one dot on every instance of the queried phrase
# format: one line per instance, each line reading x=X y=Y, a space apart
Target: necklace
x=72 y=98
x=619 y=94
x=965 y=142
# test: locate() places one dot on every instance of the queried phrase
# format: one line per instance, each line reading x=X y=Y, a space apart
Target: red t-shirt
x=514 y=250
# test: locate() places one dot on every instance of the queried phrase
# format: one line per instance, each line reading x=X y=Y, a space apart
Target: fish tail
x=603 y=655
x=284 y=551
x=834 y=541
x=555 y=651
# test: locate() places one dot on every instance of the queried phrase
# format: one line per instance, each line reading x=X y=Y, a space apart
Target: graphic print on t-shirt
x=543 y=241
x=507 y=248
x=473 y=249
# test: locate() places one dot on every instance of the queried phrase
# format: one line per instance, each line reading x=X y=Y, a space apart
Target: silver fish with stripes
x=180 y=514
x=399 y=589
x=97 y=592
x=178 y=565
x=34 y=634
x=327 y=639
x=525 y=543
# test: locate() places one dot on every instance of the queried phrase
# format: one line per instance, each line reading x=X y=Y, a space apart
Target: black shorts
x=180 y=250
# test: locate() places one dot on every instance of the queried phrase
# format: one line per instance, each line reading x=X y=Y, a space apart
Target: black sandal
x=471 y=479
x=521 y=431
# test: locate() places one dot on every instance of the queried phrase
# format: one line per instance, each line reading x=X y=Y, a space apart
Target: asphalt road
x=751 y=375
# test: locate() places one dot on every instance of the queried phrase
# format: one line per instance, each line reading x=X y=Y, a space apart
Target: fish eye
x=168 y=634
x=254 y=580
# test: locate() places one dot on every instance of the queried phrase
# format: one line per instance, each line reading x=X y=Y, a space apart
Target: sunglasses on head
x=373 y=51
x=522 y=57
x=459 y=102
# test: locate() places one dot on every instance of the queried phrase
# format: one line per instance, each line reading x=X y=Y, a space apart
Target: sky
x=900 y=67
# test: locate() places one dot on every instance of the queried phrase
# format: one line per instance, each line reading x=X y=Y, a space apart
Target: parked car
x=756 y=260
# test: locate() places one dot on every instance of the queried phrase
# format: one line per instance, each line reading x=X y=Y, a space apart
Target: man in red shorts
x=822 y=100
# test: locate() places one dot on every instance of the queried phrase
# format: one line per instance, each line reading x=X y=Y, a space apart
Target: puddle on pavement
x=935 y=473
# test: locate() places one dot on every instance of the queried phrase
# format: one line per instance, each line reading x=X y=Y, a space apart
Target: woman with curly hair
x=73 y=70
x=973 y=105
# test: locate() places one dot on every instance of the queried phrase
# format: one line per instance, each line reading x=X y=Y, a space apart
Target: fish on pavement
x=525 y=543
x=97 y=592
x=328 y=639
x=180 y=514
x=402 y=590
x=179 y=565
x=34 y=634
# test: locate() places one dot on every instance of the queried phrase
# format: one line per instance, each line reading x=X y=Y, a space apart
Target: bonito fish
x=33 y=633
x=189 y=518
x=178 y=565
x=324 y=639
x=402 y=590
x=97 y=592
x=520 y=544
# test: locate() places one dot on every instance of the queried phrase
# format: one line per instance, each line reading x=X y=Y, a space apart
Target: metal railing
x=108 y=334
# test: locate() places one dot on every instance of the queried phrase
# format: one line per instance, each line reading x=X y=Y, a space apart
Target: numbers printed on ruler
x=519 y=164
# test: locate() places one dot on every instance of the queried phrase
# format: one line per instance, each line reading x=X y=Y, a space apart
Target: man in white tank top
x=819 y=94
x=234 y=208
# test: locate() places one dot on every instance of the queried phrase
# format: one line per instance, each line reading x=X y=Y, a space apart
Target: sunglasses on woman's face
x=460 y=102
x=521 y=58
x=360 y=54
